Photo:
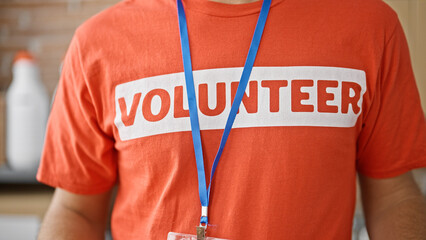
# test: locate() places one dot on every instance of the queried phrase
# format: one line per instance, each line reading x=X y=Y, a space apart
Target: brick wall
x=44 y=27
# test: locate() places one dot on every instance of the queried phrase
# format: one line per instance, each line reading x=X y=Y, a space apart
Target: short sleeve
x=78 y=156
x=393 y=138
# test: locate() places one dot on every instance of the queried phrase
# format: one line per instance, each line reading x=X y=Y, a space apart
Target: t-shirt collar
x=225 y=10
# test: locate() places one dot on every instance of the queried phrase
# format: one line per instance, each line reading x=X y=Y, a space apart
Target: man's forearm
x=404 y=220
x=62 y=223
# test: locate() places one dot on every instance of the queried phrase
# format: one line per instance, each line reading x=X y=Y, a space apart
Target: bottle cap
x=23 y=55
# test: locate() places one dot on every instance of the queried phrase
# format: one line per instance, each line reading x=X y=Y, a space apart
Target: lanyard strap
x=192 y=102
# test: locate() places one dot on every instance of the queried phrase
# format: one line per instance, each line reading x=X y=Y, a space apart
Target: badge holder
x=182 y=236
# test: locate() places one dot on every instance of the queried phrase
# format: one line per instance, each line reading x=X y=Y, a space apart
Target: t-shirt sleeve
x=78 y=155
x=393 y=138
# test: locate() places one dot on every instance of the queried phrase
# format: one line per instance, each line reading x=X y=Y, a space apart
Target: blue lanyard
x=192 y=102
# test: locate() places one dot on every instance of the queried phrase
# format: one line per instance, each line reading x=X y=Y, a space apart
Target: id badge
x=183 y=236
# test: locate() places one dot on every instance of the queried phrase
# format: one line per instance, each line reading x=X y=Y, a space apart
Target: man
x=331 y=94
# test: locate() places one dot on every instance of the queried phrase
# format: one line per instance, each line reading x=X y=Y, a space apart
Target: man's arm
x=394 y=208
x=74 y=216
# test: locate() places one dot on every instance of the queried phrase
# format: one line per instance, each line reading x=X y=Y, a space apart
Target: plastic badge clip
x=201 y=232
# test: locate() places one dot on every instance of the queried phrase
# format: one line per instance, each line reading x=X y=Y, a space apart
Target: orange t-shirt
x=332 y=93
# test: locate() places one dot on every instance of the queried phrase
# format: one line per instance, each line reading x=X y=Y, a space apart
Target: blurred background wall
x=45 y=28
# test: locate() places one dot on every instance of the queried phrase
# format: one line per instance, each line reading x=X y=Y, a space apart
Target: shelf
x=8 y=176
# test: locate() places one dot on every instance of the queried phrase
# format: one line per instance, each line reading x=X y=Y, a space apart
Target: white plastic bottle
x=27 y=106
